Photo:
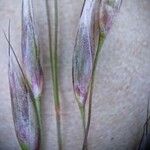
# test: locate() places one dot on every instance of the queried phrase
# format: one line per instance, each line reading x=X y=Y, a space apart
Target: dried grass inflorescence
x=24 y=113
x=30 y=50
x=26 y=83
x=84 y=51
x=95 y=22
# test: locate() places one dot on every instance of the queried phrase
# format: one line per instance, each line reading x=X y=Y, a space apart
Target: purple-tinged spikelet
x=84 y=52
x=108 y=10
x=23 y=110
x=96 y=20
x=30 y=50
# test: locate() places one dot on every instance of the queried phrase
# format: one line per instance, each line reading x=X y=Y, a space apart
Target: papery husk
x=23 y=110
x=84 y=51
x=31 y=50
x=108 y=10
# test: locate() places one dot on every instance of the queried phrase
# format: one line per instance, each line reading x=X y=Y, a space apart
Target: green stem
x=83 y=118
x=50 y=39
x=58 y=123
x=23 y=147
x=55 y=59
x=38 y=113
x=100 y=43
x=82 y=112
x=56 y=89
x=54 y=69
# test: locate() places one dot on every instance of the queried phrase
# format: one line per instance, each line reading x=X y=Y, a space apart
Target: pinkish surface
x=122 y=78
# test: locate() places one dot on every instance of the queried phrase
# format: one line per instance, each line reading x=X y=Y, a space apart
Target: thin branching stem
x=83 y=118
x=50 y=38
x=100 y=43
x=82 y=112
x=54 y=68
x=56 y=92
x=82 y=7
x=37 y=107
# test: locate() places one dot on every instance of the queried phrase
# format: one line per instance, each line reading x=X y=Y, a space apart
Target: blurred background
x=122 y=84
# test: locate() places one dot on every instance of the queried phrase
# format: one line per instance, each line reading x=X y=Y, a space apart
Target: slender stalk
x=83 y=118
x=55 y=60
x=56 y=91
x=100 y=43
x=82 y=112
x=50 y=38
x=38 y=113
x=54 y=69
x=82 y=7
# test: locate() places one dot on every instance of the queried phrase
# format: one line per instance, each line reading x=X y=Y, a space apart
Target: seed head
x=31 y=50
x=23 y=110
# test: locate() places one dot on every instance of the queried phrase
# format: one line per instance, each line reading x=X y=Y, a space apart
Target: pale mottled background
x=122 y=79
